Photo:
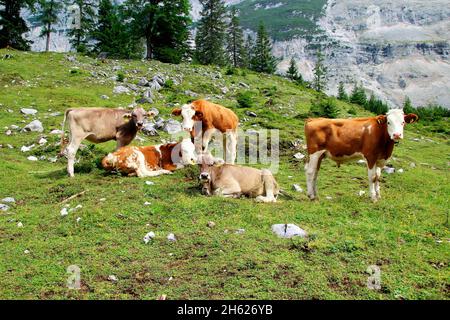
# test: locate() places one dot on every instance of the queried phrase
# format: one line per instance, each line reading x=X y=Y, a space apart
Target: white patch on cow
x=158 y=148
x=311 y=171
x=395 y=123
x=188 y=155
x=187 y=112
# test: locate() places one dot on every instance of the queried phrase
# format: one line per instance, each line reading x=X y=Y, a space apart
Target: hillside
x=406 y=234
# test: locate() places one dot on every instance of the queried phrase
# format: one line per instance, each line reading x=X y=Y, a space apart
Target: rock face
x=394 y=48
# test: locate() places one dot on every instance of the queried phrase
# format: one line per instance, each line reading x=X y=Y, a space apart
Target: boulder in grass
x=28 y=111
x=288 y=231
x=9 y=200
x=149 y=236
x=34 y=126
x=121 y=90
x=4 y=207
x=172 y=126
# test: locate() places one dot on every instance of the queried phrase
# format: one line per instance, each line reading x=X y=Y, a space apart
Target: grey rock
x=297 y=188
x=56 y=131
x=160 y=79
x=149 y=236
x=9 y=200
x=121 y=90
x=104 y=97
x=143 y=82
x=154 y=85
x=55 y=114
x=288 y=231
x=171 y=237
x=149 y=129
x=28 y=111
x=244 y=85
x=144 y=100
x=172 y=126
x=190 y=93
x=32 y=158
x=34 y=126
x=14 y=127
x=299 y=156
x=251 y=114
x=389 y=170
x=4 y=207
x=159 y=124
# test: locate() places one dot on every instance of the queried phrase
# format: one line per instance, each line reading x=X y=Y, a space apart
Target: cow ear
x=151 y=114
x=218 y=162
x=381 y=119
x=411 y=118
x=198 y=115
x=127 y=116
x=176 y=112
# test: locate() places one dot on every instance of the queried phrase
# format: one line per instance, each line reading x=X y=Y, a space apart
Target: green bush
x=120 y=77
x=232 y=71
x=352 y=111
x=169 y=84
x=324 y=108
x=245 y=99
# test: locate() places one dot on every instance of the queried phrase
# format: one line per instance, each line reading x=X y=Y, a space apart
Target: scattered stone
x=299 y=156
x=172 y=126
x=400 y=170
x=146 y=203
x=143 y=82
x=412 y=165
x=42 y=141
x=112 y=278
x=244 y=85
x=104 y=97
x=56 y=131
x=224 y=90
x=71 y=59
x=26 y=251
x=4 y=207
x=211 y=224
x=9 y=200
x=389 y=170
x=8 y=132
x=288 y=231
x=328 y=198
x=121 y=90
x=28 y=111
x=171 y=237
x=149 y=183
x=361 y=193
x=190 y=93
x=53 y=159
x=117 y=68
x=297 y=188
x=55 y=114
x=20 y=224
x=14 y=127
x=32 y=158
x=34 y=126
x=251 y=114
x=64 y=212
x=78 y=219
x=154 y=85
x=149 y=236
x=159 y=79
x=102 y=199
x=26 y=148
x=239 y=231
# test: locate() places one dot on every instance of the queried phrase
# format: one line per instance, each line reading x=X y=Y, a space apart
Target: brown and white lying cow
x=234 y=181
x=99 y=125
x=213 y=118
x=151 y=161
x=344 y=139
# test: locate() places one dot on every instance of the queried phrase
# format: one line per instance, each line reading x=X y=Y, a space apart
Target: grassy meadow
x=406 y=234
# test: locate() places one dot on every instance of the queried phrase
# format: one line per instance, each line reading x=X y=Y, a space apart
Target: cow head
x=207 y=164
x=189 y=114
x=395 y=120
x=188 y=155
x=137 y=116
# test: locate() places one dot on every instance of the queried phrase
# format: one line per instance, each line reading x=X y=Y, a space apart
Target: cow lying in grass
x=341 y=140
x=99 y=125
x=151 y=161
x=233 y=181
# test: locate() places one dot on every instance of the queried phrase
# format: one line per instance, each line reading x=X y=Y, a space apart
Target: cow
x=371 y=138
x=151 y=161
x=213 y=118
x=99 y=125
x=232 y=181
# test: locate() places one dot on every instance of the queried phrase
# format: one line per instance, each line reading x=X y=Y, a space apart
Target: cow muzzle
x=204 y=176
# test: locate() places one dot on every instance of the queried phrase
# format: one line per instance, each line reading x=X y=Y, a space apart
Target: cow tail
x=62 y=134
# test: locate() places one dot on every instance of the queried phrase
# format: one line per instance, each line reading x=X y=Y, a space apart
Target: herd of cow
x=371 y=138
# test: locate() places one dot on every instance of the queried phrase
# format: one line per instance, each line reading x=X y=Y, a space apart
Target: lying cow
x=99 y=125
x=213 y=118
x=151 y=161
x=345 y=139
x=233 y=181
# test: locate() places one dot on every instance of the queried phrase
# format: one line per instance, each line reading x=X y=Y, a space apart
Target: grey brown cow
x=233 y=181
x=99 y=125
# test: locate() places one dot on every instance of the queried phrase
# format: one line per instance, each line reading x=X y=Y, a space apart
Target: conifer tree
x=48 y=17
x=262 y=58
x=80 y=35
x=320 y=73
x=235 y=40
x=342 y=94
x=210 y=37
x=12 y=25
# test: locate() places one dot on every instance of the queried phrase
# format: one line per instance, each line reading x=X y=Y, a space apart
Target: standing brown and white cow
x=213 y=118
x=344 y=139
x=99 y=125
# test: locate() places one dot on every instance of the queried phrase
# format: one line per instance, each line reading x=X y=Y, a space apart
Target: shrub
x=120 y=77
x=245 y=99
x=169 y=84
x=352 y=111
x=232 y=71
x=324 y=108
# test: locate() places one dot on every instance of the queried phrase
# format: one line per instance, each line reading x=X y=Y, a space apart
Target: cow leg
x=380 y=165
x=269 y=186
x=231 y=146
x=233 y=190
x=372 y=175
x=71 y=152
x=206 y=139
x=312 y=170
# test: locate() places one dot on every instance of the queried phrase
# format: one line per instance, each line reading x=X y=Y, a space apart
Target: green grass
x=406 y=234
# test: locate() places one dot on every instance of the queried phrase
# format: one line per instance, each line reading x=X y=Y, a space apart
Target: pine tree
x=112 y=35
x=320 y=73
x=235 y=41
x=164 y=26
x=292 y=73
x=210 y=37
x=342 y=94
x=248 y=52
x=12 y=25
x=79 y=36
x=48 y=16
x=262 y=58
x=358 y=96
x=407 y=106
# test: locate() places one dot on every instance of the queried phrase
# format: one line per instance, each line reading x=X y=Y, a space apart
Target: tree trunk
x=149 y=49
x=47 y=44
